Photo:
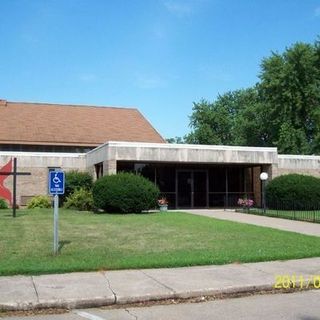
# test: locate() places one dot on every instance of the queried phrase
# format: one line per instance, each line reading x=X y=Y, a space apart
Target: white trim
x=298 y=157
x=181 y=146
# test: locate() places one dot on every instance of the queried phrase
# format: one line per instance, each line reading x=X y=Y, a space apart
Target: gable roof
x=55 y=124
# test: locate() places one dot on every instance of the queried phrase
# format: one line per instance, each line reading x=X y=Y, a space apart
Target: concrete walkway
x=308 y=228
x=94 y=289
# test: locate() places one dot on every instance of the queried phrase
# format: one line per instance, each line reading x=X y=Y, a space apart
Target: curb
x=103 y=302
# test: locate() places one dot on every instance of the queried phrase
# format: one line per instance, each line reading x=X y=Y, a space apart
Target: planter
x=163 y=207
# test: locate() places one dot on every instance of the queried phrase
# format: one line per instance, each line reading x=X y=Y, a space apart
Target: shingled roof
x=55 y=124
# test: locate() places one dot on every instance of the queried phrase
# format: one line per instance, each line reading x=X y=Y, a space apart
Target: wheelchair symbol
x=56 y=179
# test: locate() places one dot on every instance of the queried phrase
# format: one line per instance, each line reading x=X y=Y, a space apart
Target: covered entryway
x=199 y=186
x=192 y=189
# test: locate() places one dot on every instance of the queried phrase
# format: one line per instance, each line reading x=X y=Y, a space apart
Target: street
x=300 y=305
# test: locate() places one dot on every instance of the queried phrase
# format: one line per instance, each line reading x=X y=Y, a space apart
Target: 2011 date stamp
x=286 y=281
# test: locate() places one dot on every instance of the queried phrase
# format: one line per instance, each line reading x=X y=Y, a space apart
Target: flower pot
x=163 y=207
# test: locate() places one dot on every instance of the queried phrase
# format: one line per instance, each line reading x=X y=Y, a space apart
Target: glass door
x=192 y=189
x=200 y=193
x=184 y=189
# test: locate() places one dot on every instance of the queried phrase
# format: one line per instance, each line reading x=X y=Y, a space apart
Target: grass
x=111 y=241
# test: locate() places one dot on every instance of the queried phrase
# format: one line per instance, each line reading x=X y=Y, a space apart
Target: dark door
x=200 y=189
x=192 y=190
x=184 y=189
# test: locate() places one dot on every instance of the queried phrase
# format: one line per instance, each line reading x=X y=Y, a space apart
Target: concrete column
x=109 y=167
x=257 y=185
x=274 y=171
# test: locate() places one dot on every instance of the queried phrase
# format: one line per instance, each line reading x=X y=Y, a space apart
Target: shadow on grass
x=126 y=214
x=18 y=215
x=62 y=244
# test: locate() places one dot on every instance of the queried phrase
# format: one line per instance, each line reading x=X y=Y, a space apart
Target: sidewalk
x=94 y=289
x=309 y=228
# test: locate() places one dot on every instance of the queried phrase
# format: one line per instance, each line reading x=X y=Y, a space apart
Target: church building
x=105 y=140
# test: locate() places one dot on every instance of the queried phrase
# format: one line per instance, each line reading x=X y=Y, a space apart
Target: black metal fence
x=294 y=210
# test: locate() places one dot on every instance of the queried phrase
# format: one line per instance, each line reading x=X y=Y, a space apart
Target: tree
x=231 y=120
x=175 y=140
x=290 y=91
x=282 y=110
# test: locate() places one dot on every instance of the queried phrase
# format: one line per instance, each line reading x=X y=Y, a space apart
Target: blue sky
x=157 y=55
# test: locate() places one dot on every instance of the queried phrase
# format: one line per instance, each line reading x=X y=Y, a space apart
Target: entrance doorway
x=192 y=188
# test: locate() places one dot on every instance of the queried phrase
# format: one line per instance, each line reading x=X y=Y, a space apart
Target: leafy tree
x=282 y=110
x=290 y=91
x=230 y=119
x=175 y=140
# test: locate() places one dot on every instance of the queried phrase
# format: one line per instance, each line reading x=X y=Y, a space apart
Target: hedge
x=76 y=180
x=125 y=193
x=293 y=191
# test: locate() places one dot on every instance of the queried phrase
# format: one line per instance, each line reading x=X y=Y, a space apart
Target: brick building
x=105 y=140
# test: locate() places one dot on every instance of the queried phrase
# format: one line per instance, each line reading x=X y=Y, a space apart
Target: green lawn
x=105 y=241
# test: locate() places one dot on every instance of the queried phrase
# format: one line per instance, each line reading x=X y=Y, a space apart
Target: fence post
x=294 y=211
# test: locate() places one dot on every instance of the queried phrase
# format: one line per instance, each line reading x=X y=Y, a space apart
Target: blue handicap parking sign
x=56 y=182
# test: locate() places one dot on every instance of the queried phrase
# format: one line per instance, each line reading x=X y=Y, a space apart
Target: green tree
x=175 y=140
x=282 y=110
x=231 y=119
x=290 y=91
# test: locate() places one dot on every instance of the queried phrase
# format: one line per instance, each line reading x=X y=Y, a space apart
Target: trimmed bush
x=81 y=200
x=39 y=202
x=76 y=180
x=3 y=204
x=125 y=193
x=293 y=191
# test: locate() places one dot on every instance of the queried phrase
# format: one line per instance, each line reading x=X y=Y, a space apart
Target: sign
x=56 y=186
x=56 y=182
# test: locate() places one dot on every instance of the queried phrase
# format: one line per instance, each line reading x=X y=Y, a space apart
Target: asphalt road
x=301 y=306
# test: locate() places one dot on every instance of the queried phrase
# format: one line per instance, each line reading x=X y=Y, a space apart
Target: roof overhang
x=181 y=153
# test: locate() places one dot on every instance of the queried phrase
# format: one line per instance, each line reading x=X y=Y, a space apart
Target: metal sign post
x=56 y=187
x=56 y=224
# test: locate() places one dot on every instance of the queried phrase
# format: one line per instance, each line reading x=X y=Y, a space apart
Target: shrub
x=125 y=192
x=293 y=191
x=3 y=204
x=81 y=199
x=76 y=180
x=39 y=202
